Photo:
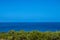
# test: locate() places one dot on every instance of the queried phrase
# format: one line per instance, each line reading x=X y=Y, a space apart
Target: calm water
x=29 y=26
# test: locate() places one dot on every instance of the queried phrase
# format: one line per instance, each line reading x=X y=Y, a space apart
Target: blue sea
x=29 y=26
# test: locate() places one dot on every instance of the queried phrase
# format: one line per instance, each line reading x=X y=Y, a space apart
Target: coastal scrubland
x=29 y=35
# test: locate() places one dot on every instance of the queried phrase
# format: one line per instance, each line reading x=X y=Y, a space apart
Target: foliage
x=32 y=35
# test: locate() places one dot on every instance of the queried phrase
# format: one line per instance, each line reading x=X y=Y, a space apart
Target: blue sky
x=29 y=10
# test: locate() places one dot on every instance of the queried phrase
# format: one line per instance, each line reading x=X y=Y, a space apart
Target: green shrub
x=32 y=35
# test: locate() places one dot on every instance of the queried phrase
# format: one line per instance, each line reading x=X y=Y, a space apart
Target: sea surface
x=29 y=26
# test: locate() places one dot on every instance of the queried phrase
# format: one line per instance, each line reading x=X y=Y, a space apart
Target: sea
x=29 y=26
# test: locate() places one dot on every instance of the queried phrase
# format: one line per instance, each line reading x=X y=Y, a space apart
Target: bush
x=32 y=35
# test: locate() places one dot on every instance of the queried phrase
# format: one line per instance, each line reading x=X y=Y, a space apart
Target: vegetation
x=32 y=35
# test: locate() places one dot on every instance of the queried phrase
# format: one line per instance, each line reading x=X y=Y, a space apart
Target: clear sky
x=29 y=10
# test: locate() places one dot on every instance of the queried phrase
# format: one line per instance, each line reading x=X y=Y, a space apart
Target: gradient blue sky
x=29 y=10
